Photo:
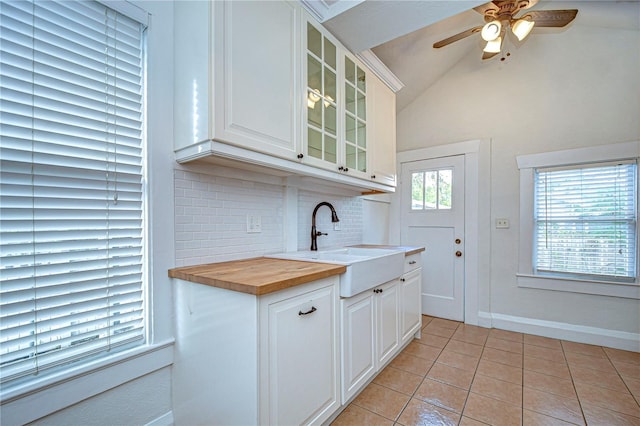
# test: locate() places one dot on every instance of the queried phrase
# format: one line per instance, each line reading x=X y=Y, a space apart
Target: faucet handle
x=320 y=233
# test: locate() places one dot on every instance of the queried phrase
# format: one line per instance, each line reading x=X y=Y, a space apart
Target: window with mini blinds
x=585 y=221
x=72 y=195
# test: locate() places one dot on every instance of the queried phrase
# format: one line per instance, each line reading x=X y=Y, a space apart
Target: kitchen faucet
x=315 y=234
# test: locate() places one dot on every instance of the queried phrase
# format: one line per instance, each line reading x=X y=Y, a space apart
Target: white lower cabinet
x=376 y=324
x=370 y=335
x=358 y=342
x=300 y=359
x=247 y=360
x=410 y=306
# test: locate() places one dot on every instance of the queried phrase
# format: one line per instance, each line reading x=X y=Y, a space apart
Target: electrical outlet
x=336 y=226
x=254 y=224
x=502 y=223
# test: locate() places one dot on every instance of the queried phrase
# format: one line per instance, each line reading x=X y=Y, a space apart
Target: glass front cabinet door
x=321 y=98
x=355 y=117
x=336 y=106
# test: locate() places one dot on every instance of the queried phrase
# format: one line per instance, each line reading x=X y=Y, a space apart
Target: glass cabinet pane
x=349 y=71
x=350 y=98
x=362 y=134
x=350 y=159
x=361 y=80
x=350 y=129
x=329 y=84
x=314 y=142
x=330 y=149
x=362 y=160
x=330 y=53
x=314 y=109
x=314 y=40
x=330 y=114
x=314 y=74
x=362 y=106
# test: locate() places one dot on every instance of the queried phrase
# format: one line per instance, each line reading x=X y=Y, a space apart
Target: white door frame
x=477 y=218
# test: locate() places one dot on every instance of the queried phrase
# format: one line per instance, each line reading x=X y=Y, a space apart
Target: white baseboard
x=164 y=420
x=560 y=330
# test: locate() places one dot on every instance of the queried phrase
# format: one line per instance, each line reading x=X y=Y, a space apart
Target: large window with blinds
x=585 y=221
x=72 y=230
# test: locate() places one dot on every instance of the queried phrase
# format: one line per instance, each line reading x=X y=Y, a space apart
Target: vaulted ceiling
x=402 y=33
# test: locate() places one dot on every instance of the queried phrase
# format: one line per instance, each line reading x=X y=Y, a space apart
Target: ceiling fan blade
x=456 y=37
x=488 y=55
x=484 y=8
x=552 y=18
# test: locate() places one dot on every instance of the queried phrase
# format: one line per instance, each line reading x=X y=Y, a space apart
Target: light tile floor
x=458 y=374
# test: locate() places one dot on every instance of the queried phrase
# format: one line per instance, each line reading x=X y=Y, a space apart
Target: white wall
x=562 y=90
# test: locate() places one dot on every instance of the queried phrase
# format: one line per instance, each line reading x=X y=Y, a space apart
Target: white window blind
x=72 y=194
x=585 y=221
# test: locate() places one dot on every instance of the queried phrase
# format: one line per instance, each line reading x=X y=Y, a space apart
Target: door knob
x=458 y=253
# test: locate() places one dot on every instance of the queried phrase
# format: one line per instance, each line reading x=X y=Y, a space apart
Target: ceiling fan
x=499 y=16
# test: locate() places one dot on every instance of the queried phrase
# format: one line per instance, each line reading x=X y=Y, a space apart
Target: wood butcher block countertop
x=257 y=276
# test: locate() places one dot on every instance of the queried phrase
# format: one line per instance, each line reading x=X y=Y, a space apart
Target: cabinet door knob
x=412 y=262
x=402 y=279
x=373 y=176
x=300 y=156
x=341 y=168
x=458 y=253
x=310 y=311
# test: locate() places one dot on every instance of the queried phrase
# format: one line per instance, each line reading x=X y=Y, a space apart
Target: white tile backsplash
x=211 y=218
x=211 y=209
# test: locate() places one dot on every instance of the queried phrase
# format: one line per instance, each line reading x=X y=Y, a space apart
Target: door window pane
x=431 y=190
x=417 y=191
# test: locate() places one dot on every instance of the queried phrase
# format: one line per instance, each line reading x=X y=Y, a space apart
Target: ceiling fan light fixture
x=491 y=31
x=522 y=27
x=493 y=46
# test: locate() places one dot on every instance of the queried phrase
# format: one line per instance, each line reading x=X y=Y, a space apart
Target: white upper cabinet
x=382 y=132
x=335 y=117
x=263 y=84
x=244 y=54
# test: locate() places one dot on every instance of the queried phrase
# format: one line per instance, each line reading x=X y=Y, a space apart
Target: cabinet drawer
x=411 y=262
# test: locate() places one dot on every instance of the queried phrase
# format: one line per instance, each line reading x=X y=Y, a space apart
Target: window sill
x=25 y=402
x=572 y=285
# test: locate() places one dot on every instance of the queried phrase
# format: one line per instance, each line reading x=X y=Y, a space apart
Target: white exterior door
x=432 y=215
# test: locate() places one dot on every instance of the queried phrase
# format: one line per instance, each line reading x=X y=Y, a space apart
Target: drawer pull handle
x=413 y=262
x=310 y=311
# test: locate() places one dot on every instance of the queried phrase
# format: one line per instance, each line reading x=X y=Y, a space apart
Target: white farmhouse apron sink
x=366 y=267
